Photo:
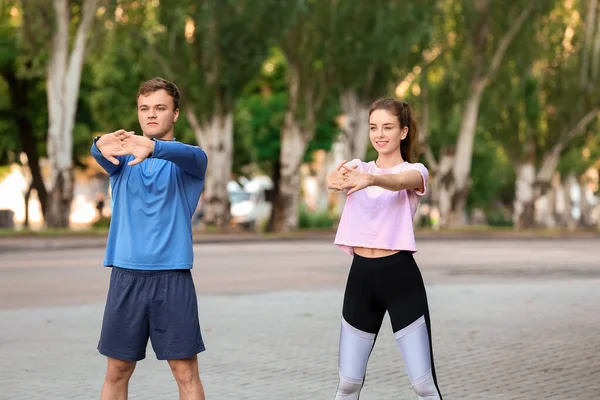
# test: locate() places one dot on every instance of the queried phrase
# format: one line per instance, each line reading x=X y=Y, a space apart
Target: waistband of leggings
x=401 y=257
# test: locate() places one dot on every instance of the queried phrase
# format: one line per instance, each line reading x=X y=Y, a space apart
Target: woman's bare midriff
x=374 y=253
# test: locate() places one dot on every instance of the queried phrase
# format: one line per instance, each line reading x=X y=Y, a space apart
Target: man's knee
x=185 y=371
x=118 y=370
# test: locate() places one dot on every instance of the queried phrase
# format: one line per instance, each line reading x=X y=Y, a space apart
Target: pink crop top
x=378 y=218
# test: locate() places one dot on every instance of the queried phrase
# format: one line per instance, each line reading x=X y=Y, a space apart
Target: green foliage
x=539 y=96
x=226 y=48
x=582 y=154
x=326 y=130
x=232 y=59
x=498 y=217
x=259 y=115
x=22 y=97
x=492 y=175
x=117 y=75
x=306 y=45
x=444 y=108
x=372 y=44
x=103 y=222
x=313 y=220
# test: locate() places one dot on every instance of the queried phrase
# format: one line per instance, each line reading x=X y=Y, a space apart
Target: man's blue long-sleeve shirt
x=153 y=204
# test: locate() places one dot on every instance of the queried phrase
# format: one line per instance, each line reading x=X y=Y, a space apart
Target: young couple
x=156 y=183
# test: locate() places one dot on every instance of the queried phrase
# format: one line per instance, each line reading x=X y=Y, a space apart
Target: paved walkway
x=539 y=342
x=522 y=330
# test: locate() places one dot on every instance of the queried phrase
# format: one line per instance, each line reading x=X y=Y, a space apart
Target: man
x=156 y=183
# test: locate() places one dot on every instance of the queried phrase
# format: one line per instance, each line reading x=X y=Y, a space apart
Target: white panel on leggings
x=413 y=342
x=355 y=348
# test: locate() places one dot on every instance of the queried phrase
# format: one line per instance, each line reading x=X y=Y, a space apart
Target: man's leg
x=187 y=377
x=175 y=329
x=124 y=334
x=117 y=378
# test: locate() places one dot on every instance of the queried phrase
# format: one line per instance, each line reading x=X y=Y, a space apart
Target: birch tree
x=49 y=24
x=374 y=44
x=561 y=99
x=491 y=28
x=211 y=49
x=304 y=46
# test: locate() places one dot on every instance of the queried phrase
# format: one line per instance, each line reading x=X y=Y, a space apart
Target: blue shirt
x=153 y=204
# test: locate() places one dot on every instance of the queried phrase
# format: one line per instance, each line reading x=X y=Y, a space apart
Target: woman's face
x=385 y=132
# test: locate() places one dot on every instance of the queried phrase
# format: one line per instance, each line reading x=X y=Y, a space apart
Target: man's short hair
x=159 y=83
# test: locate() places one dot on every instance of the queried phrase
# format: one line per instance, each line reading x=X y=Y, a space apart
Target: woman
x=376 y=228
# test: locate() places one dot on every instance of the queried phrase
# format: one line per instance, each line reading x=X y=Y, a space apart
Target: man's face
x=156 y=115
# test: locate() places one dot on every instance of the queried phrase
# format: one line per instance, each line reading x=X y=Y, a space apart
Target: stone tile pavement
x=494 y=341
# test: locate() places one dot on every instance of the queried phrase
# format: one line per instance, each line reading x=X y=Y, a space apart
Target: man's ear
x=176 y=115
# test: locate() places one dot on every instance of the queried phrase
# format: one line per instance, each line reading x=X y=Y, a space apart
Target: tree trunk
x=18 y=91
x=549 y=203
x=294 y=140
x=274 y=197
x=546 y=172
x=216 y=138
x=336 y=156
x=63 y=77
x=354 y=138
x=451 y=199
x=571 y=207
x=33 y=162
x=587 y=208
x=588 y=46
x=321 y=180
x=26 y=197
x=60 y=198
x=355 y=130
x=293 y=146
x=455 y=186
x=524 y=203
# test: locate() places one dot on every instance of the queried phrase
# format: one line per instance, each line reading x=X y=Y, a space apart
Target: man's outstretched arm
x=191 y=159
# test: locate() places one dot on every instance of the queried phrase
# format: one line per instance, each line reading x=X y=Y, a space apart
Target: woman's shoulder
x=358 y=162
x=417 y=165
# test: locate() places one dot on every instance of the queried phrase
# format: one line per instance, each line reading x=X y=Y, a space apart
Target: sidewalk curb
x=40 y=243
x=29 y=244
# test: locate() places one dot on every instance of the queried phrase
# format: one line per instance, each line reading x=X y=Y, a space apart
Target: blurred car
x=249 y=206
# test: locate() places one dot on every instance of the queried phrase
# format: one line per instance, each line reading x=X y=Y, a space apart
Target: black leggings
x=376 y=285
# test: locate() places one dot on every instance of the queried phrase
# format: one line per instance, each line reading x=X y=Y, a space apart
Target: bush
x=314 y=220
x=103 y=222
x=499 y=218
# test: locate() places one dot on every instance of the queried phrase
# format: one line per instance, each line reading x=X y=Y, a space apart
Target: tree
x=23 y=116
x=212 y=49
x=304 y=45
x=481 y=32
x=259 y=116
x=560 y=98
x=373 y=45
x=46 y=29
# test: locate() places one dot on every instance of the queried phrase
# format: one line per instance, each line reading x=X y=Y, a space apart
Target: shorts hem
x=180 y=356
x=120 y=356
